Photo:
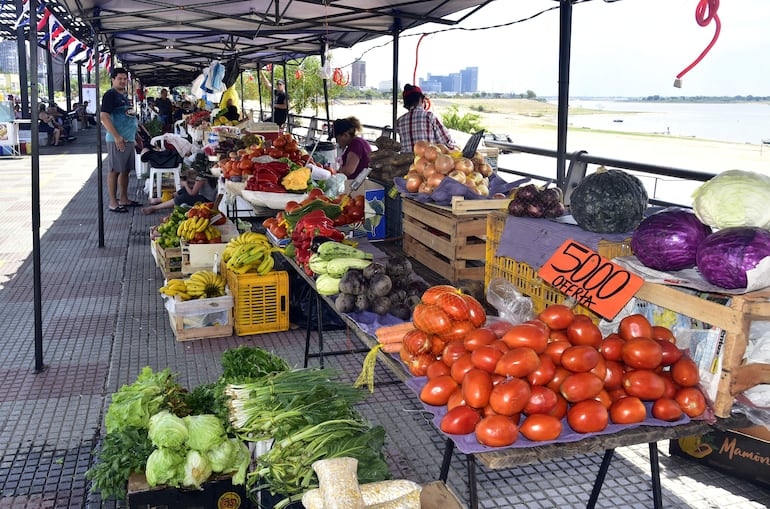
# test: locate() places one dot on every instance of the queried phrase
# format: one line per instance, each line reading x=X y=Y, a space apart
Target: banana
x=203 y=223
x=266 y=266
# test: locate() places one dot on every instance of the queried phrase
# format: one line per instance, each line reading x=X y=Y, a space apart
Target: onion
x=457 y=175
x=419 y=147
x=527 y=193
x=430 y=153
x=485 y=169
x=435 y=180
x=425 y=188
x=476 y=177
x=517 y=208
x=442 y=149
x=428 y=170
x=444 y=164
x=464 y=164
x=483 y=189
x=413 y=181
x=420 y=164
x=724 y=257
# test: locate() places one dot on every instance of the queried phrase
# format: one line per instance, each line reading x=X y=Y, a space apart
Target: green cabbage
x=223 y=456
x=734 y=198
x=242 y=462
x=134 y=404
x=164 y=466
x=204 y=431
x=167 y=430
x=197 y=468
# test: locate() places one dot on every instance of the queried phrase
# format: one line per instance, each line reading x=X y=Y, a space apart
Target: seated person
x=86 y=120
x=186 y=109
x=195 y=189
x=232 y=113
x=47 y=124
x=61 y=118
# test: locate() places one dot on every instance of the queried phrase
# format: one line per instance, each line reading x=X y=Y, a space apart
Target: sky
x=625 y=48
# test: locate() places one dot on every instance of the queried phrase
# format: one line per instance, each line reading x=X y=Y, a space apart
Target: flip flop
x=120 y=209
x=132 y=203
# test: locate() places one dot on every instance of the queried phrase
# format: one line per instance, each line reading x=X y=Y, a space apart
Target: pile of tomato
x=502 y=380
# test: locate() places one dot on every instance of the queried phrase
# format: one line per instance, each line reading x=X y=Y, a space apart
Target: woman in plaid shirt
x=419 y=123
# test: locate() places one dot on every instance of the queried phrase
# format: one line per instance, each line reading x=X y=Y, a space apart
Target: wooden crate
x=184 y=314
x=217 y=491
x=734 y=320
x=450 y=240
x=168 y=260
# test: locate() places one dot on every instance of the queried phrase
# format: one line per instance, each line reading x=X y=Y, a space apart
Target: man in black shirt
x=280 y=101
x=165 y=108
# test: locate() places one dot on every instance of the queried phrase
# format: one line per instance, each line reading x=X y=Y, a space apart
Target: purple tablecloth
x=469 y=445
x=534 y=241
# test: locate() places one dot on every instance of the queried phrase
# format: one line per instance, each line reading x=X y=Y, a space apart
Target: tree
x=531 y=94
x=468 y=123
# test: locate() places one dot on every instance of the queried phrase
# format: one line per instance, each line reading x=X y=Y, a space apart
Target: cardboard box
x=201 y=318
x=197 y=257
x=437 y=495
x=373 y=225
x=741 y=453
x=217 y=492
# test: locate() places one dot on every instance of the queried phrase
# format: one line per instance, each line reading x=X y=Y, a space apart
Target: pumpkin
x=608 y=201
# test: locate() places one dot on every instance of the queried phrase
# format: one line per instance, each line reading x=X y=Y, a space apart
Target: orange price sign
x=595 y=282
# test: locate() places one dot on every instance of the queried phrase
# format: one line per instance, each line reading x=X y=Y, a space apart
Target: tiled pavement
x=103 y=321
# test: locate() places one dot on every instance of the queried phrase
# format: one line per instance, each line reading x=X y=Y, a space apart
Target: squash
x=297 y=180
x=608 y=201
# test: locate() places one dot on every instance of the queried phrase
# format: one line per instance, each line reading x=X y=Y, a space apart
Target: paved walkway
x=103 y=321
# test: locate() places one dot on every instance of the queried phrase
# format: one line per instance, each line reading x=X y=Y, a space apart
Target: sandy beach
x=534 y=123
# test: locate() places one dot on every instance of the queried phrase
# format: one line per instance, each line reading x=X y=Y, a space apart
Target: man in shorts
x=119 y=119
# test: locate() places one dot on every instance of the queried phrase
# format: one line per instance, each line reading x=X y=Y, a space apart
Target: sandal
x=120 y=209
x=132 y=203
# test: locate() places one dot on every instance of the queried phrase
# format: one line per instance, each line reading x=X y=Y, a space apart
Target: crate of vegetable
x=201 y=318
x=261 y=302
x=169 y=260
x=218 y=491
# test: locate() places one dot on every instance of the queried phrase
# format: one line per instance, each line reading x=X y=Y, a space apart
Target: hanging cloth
x=232 y=71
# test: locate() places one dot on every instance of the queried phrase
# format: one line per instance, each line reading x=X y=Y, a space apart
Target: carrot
x=393 y=333
x=391 y=347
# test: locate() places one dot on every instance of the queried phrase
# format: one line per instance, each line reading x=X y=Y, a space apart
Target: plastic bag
x=511 y=305
x=334 y=186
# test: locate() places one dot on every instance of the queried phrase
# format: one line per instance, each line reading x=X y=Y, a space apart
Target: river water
x=733 y=122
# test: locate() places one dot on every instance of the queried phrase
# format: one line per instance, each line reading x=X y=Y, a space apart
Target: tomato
x=460 y=367
x=558 y=335
x=559 y=410
x=685 y=372
x=584 y=332
x=691 y=400
x=558 y=377
x=275 y=153
x=356 y=214
x=461 y=420
x=477 y=386
x=671 y=386
x=612 y=347
x=418 y=364
x=527 y=335
x=641 y=352
x=541 y=400
x=279 y=232
x=600 y=369
x=487 y=411
x=457 y=331
x=416 y=342
x=635 y=326
x=431 y=319
x=453 y=305
x=486 y=358
x=670 y=352
x=270 y=221
x=664 y=333
x=456 y=399
x=497 y=431
x=452 y=352
x=579 y=386
x=541 y=427
x=431 y=295
x=279 y=142
x=518 y=362
x=556 y=316
x=666 y=409
x=500 y=327
x=437 y=390
x=476 y=313
x=510 y=396
x=500 y=346
x=479 y=337
x=580 y=358
x=628 y=410
x=437 y=345
x=555 y=349
x=644 y=384
x=588 y=416
x=437 y=368
x=315 y=194
x=544 y=372
x=604 y=398
x=613 y=377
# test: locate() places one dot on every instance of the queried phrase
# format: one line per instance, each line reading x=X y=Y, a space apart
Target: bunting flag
x=44 y=20
x=21 y=21
x=90 y=66
x=69 y=41
x=77 y=52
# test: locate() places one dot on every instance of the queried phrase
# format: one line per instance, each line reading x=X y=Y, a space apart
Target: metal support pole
x=326 y=91
x=394 y=77
x=565 y=36
x=21 y=52
x=99 y=177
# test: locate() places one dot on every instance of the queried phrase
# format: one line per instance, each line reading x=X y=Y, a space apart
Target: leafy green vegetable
x=223 y=456
x=204 y=431
x=197 y=468
x=122 y=452
x=246 y=363
x=164 y=466
x=167 y=430
x=734 y=198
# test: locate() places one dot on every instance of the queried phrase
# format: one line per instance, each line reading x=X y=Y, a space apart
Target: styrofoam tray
x=275 y=201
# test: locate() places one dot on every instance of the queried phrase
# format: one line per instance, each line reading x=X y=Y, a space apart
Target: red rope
x=417 y=58
x=704 y=13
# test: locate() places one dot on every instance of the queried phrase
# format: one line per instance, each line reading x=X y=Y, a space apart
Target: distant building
x=385 y=86
x=358 y=74
x=8 y=61
x=463 y=82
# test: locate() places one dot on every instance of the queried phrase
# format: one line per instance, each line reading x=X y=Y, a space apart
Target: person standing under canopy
x=280 y=101
x=418 y=123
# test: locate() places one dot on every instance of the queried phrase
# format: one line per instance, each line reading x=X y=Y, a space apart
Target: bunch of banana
x=257 y=257
x=175 y=287
x=189 y=227
x=246 y=238
x=205 y=284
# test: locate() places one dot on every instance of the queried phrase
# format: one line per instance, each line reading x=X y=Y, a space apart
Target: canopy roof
x=169 y=42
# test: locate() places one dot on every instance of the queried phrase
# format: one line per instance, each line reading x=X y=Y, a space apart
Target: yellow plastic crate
x=261 y=302
x=525 y=277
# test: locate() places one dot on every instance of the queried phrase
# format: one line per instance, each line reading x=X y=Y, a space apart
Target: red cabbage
x=668 y=240
x=725 y=256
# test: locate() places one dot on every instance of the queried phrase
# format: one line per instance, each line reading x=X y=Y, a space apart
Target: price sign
x=592 y=280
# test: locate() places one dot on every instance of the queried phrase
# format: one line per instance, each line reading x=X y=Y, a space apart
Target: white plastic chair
x=179 y=128
x=156 y=174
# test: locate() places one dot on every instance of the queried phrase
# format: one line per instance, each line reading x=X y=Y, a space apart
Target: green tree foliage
x=468 y=123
